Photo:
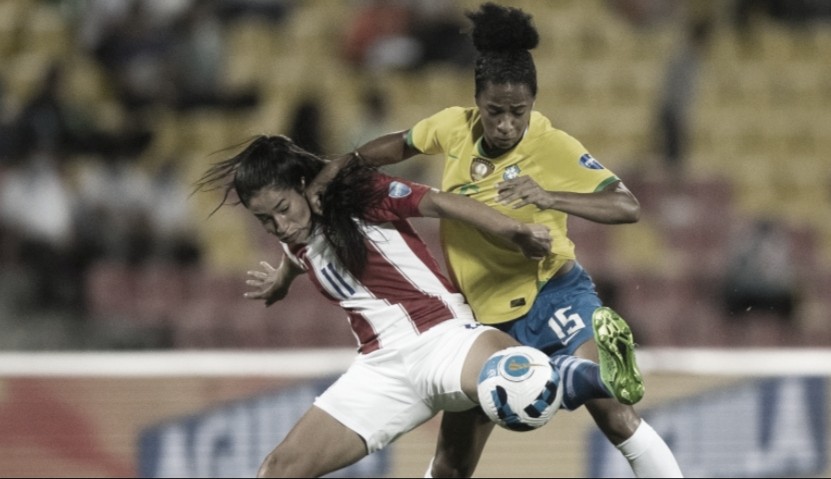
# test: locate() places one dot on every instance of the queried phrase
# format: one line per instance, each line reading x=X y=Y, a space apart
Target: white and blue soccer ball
x=519 y=389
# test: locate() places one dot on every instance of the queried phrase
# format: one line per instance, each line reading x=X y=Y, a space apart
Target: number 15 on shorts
x=565 y=325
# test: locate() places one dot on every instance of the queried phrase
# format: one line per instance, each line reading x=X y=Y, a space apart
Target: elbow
x=624 y=207
x=630 y=212
x=432 y=206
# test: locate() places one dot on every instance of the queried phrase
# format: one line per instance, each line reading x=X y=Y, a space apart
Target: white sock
x=648 y=454
x=429 y=472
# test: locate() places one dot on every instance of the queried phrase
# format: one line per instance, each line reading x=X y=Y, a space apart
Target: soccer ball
x=519 y=389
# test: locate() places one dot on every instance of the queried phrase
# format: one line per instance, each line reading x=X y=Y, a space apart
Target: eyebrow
x=279 y=204
x=276 y=205
x=514 y=106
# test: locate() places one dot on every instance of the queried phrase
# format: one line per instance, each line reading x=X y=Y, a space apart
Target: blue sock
x=580 y=381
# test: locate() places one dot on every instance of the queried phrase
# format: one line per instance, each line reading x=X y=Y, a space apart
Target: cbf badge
x=511 y=172
x=480 y=168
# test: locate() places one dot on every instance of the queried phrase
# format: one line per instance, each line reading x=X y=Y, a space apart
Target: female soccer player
x=420 y=349
x=506 y=155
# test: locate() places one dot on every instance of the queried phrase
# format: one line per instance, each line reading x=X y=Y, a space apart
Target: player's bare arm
x=272 y=284
x=615 y=204
x=384 y=150
x=533 y=240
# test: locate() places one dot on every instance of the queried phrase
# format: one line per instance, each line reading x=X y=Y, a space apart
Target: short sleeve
x=400 y=199
x=577 y=170
x=429 y=135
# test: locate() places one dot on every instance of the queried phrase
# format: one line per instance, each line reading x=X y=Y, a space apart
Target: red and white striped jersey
x=402 y=291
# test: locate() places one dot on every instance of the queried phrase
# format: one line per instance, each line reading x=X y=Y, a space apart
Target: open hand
x=268 y=284
x=522 y=191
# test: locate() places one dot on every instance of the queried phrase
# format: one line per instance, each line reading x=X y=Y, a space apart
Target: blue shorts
x=560 y=320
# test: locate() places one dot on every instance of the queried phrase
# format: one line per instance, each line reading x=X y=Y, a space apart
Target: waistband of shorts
x=424 y=330
x=559 y=280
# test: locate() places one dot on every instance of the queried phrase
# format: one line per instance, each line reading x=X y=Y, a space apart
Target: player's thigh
x=485 y=345
x=560 y=320
x=316 y=445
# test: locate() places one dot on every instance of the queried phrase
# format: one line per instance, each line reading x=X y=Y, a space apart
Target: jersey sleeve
x=577 y=170
x=399 y=199
x=429 y=135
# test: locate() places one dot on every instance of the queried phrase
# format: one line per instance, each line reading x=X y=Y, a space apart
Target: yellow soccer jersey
x=499 y=282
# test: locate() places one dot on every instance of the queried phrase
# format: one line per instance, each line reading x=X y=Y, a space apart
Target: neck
x=490 y=151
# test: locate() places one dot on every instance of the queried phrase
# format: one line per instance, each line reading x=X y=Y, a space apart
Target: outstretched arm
x=613 y=205
x=384 y=150
x=532 y=239
x=272 y=284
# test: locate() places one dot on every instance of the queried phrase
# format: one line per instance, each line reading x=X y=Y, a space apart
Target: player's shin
x=581 y=381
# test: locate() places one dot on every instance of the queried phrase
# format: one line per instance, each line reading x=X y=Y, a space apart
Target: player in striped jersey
x=420 y=348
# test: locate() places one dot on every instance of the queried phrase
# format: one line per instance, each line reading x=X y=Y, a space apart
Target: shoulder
x=454 y=115
x=398 y=198
x=541 y=129
x=434 y=133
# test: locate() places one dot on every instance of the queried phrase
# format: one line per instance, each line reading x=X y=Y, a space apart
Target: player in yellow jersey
x=507 y=155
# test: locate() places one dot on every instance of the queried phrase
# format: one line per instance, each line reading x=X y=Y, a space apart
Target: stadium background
x=102 y=249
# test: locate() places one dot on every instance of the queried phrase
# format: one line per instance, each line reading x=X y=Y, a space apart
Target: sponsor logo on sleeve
x=589 y=162
x=399 y=190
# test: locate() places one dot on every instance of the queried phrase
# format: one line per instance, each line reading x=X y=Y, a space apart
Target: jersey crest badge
x=511 y=172
x=589 y=162
x=399 y=190
x=480 y=168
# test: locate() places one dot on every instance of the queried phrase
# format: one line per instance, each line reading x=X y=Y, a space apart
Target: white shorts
x=389 y=392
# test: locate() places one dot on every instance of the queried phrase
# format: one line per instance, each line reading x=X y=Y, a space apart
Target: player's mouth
x=288 y=237
x=296 y=236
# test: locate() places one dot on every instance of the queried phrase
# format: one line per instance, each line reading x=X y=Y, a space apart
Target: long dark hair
x=276 y=161
x=503 y=36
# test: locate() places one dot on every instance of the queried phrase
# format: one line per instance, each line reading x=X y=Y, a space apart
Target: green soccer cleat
x=618 y=368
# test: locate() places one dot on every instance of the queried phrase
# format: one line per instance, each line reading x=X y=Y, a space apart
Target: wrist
x=550 y=201
x=516 y=230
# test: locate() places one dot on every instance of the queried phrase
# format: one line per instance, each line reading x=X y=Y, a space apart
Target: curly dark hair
x=503 y=36
x=276 y=161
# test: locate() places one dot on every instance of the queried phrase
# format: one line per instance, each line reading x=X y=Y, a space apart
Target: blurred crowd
x=81 y=185
x=75 y=186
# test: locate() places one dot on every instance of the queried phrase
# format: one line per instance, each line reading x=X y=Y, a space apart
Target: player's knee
x=270 y=466
x=445 y=468
x=279 y=464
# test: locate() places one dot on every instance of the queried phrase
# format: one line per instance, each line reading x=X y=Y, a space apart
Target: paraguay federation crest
x=480 y=168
